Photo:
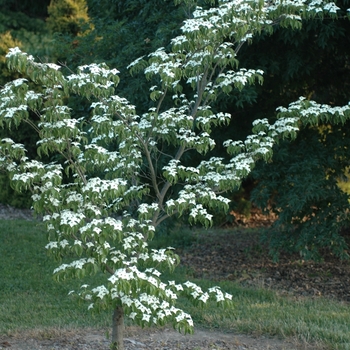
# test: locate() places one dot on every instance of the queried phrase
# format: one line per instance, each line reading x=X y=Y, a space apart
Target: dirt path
x=144 y=339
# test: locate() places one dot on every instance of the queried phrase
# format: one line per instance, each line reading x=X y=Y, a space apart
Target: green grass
x=30 y=298
x=263 y=312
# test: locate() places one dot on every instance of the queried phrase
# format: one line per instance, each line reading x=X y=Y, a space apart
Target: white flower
x=100 y=291
x=170 y=294
x=204 y=297
x=146 y=317
x=195 y=294
x=51 y=245
x=53 y=66
x=228 y=296
x=13 y=51
x=113 y=279
x=133 y=315
x=179 y=287
x=64 y=243
x=126 y=300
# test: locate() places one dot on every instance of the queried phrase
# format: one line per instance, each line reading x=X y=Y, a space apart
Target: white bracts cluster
x=98 y=69
x=238 y=78
x=10 y=112
x=75 y=265
x=310 y=109
x=96 y=225
x=71 y=219
x=97 y=77
x=174 y=171
x=61 y=124
x=24 y=177
x=152 y=308
x=99 y=186
x=149 y=209
x=197 y=293
x=13 y=52
x=199 y=210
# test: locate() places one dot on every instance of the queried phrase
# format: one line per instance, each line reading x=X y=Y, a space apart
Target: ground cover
x=221 y=255
x=35 y=312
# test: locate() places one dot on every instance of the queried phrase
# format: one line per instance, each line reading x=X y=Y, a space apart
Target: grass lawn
x=30 y=298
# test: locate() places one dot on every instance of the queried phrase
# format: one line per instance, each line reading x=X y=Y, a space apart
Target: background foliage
x=301 y=182
x=22 y=24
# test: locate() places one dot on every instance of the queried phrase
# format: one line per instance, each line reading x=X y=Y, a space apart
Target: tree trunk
x=118 y=329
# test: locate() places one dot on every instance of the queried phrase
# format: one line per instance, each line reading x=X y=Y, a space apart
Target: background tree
x=67 y=16
x=312 y=209
x=304 y=192
x=122 y=32
x=25 y=21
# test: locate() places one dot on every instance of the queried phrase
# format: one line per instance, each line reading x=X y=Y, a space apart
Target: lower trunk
x=118 y=329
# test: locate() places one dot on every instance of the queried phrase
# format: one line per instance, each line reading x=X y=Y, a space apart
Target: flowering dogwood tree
x=110 y=155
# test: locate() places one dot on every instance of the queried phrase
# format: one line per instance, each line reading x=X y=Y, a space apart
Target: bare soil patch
x=144 y=339
x=239 y=256
x=9 y=213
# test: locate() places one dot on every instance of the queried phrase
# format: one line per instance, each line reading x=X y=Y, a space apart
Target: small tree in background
x=121 y=174
x=67 y=16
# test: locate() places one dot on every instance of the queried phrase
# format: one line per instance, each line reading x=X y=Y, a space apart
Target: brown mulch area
x=236 y=254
